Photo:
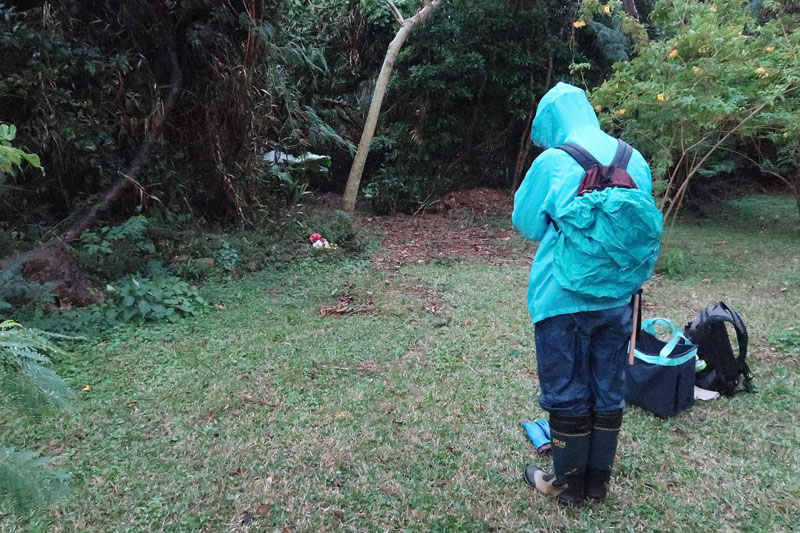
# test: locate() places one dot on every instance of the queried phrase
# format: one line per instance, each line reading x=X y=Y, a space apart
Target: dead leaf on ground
x=263 y=510
x=370 y=365
x=344 y=308
x=252 y=399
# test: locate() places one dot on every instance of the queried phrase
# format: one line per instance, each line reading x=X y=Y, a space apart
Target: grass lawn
x=265 y=415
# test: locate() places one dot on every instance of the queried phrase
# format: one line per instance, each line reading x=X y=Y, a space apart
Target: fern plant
x=23 y=354
x=25 y=481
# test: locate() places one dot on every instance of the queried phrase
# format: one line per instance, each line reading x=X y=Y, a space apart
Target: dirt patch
x=480 y=201
x=451 y=233
x=55 y=267
x=421 y=238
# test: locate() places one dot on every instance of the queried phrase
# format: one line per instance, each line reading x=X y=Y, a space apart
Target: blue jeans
x=581 y=359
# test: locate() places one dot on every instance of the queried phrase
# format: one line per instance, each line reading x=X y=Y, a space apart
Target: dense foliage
x=717 y=94
x=85 y=82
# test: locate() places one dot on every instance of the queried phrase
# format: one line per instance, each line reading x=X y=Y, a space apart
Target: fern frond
x=23 y=354
x=27 y=482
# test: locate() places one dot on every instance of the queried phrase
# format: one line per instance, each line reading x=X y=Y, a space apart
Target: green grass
x=266 y=415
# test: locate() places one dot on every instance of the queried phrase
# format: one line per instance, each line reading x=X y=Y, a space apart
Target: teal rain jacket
x=564 y=114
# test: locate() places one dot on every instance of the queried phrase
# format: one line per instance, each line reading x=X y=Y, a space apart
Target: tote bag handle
x=663 y=358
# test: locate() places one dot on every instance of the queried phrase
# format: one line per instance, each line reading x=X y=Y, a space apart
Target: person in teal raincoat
x=581 y=340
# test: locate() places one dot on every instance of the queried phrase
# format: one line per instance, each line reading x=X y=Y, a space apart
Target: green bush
x=111 y=252
x=336 y=225
x=227 y=257
x=393 y=191
x=717 y=93
x=152 y=299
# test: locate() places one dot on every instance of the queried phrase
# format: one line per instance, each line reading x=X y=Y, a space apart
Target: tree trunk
x=406 y=27
x=522 y=154
x=525 y=141
x=630 y=8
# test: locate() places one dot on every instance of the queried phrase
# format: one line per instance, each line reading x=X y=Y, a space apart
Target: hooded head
x=561 y=111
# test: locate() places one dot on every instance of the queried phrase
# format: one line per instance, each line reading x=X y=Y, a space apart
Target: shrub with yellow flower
x=579 y=23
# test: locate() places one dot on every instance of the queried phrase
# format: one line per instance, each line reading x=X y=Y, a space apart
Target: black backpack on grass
x=724 y=370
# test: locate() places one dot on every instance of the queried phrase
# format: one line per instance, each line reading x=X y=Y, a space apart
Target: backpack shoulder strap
x=623 y=155
x=579 y=154
x=729 y=315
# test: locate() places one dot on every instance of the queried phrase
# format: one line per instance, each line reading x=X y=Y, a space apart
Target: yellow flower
x=674 y=53
x=597 y=108
x=660 y=97
x=620 y=111
x=607 y=9
x=770 y=48
x=87 y=388
x=696 y=69
x=762 y=70
x=579 y=23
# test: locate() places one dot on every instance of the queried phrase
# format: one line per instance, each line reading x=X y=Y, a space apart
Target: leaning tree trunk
x=406 y=27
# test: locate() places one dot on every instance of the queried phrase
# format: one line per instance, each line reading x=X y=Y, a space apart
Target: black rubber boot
x=605 y=435
x=571 y=438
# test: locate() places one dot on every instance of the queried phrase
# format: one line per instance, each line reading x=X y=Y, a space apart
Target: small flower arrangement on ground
x=318 y=241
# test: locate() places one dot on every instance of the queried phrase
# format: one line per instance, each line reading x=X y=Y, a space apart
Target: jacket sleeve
x=529 y=201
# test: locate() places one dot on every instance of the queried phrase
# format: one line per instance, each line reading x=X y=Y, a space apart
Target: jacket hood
x=561 y=111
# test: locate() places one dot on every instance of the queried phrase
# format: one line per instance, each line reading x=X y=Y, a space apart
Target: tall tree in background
x=406 y=27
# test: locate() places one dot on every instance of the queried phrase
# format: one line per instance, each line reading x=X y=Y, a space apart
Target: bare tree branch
x=396 y=12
